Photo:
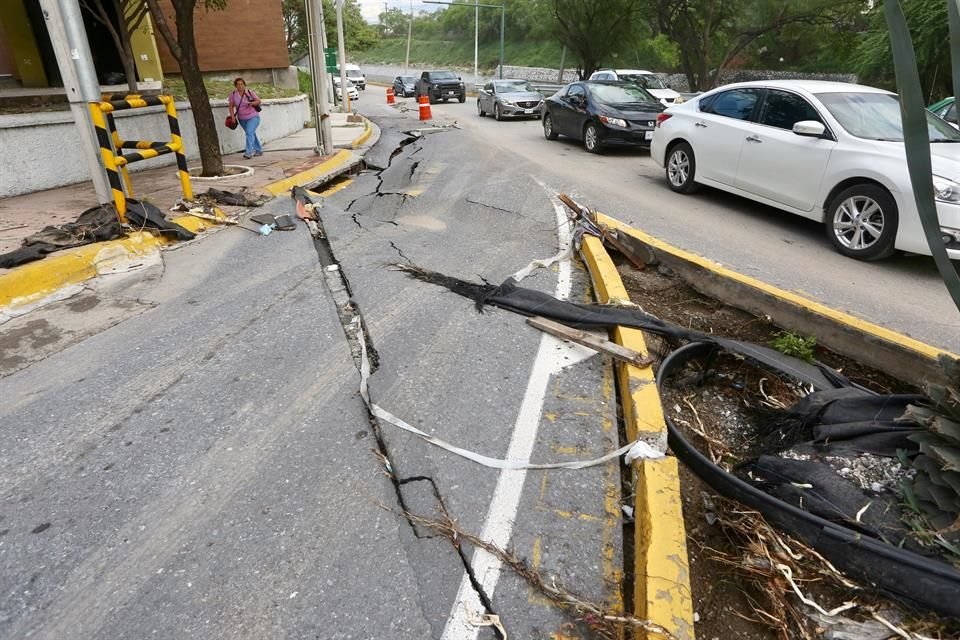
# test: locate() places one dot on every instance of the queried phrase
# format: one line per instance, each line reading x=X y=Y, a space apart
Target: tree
x=393 y=23
x=130 y=15
x=183 y=46
x=712 y=34
x=594 y=29
x=357 y=34
x=928 y=24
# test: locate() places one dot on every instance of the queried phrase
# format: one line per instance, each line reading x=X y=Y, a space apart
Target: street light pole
x=476 y=41
x=69 y=39
x=318 y=72
x=344 y=94
x=502 y=24
x=406 y=62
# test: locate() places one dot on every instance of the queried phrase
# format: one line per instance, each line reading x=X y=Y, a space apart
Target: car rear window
x=736 y=103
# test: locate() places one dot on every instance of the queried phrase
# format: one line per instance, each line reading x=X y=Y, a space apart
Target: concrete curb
x=367 y=131
x=661 y=588
x=341 y=162
x=34 y=284
x=893 y=353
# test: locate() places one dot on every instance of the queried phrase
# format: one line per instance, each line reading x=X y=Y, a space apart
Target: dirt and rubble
x=740 y=587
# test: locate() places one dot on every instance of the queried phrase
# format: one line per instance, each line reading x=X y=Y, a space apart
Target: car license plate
x=648 y=135
x=450 y=93
x=528 y=110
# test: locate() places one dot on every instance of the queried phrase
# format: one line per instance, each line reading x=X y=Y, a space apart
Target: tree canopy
x=357 y=34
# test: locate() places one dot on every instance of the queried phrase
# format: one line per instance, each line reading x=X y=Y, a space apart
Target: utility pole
x=69 y=39
x=476 y=41
x=345 y=95
x=318 y=72
x=406 y=63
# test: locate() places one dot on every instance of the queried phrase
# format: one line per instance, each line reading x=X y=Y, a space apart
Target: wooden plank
x=586 y=339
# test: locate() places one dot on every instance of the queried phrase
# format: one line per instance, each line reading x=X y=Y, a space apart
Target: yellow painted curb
x=312 y=174
x=893 y=352
x=363 y=137
x=661 y=570
x=36 y=281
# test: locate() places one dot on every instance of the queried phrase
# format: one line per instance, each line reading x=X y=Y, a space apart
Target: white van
x=646 y=79
x=355 y=76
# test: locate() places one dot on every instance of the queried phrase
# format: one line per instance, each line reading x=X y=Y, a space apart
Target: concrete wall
x=42 y=150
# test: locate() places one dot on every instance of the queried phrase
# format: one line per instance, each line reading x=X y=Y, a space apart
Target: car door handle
x=753 y=139
x=700 y=124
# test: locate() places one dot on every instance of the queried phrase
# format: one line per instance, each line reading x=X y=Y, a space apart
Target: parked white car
x=646 y=79
x=351 y=89
x=828 y=151
x=355 y=75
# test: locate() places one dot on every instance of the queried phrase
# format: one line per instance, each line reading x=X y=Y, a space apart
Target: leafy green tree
x=183 y=46
x=712 y=34
x=394 y=23
x=357 y=34
x=593 y=29
x=928 y=24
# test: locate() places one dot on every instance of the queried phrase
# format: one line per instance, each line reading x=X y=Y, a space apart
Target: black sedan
x=602 y=114
x=404 y=86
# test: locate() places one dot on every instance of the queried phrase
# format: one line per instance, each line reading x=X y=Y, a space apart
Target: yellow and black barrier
x=116 y=161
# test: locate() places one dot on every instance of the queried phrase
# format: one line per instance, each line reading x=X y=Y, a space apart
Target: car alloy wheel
x=591 y=138
x=496 y=112
x=480 y=110
x=681 y=167
x=862 y=222
x=548 y=131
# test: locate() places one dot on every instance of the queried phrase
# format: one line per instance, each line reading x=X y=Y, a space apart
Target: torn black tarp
x=806 y=499
x=93 y=225
x=241 y=198
x=144 y=215
x=530 y=302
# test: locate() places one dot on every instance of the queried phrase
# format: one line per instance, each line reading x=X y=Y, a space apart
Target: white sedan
x=829 y=151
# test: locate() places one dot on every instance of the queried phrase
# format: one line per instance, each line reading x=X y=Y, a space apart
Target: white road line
x=552 y=356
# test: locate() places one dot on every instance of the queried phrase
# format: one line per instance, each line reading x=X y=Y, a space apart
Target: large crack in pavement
x=354 y=325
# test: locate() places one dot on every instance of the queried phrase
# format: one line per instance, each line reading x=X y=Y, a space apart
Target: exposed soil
x=730 y=601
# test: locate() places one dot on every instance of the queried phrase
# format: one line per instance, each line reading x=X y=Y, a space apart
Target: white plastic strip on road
x=502 y=513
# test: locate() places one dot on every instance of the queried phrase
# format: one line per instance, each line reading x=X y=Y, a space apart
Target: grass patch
x=793 y=344
x=459 y=53
x=222 y=88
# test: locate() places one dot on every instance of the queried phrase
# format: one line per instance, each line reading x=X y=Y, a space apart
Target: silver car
x=509 y=99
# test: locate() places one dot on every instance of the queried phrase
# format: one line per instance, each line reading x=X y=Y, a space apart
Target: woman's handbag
x=231 y=122
x=255 y=106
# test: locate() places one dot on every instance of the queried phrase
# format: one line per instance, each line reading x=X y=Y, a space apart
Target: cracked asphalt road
x=196 y=461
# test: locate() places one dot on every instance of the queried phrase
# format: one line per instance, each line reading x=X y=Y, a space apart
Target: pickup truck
x=441 y=85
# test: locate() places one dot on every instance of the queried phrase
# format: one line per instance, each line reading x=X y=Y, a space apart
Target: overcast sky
x=373 y=8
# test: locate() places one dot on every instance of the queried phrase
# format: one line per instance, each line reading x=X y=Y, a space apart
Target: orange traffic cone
x=391 y=99
x=425 y=113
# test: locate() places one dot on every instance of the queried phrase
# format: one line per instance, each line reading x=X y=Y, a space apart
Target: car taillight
x=662 y=117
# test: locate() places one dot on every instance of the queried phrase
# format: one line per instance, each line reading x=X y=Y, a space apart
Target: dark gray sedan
x=509 y=99
x=404 y=86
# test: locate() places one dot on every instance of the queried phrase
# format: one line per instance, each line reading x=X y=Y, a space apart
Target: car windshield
x=645 y=80
x=876 y=116
x=443 y=75
x=620 y=94
x=512 y=86
x=407 y=79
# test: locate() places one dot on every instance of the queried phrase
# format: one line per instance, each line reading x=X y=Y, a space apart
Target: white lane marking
x=552 y=356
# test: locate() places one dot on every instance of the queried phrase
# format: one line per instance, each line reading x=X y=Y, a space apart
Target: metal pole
x=80 y=81
x=503 y=21
x=406 y=63
x=345 y=95
x=318 y=72
x=563 y=61
x=476 y=41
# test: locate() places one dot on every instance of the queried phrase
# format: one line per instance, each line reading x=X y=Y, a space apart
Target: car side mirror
x=809 y=129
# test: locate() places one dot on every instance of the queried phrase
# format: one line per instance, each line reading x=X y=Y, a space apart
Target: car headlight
x=509 y=103
x=617 y=122
x=946 y=190
x=678 y=100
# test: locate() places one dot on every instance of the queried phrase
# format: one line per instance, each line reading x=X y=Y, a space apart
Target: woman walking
x=245 y=108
